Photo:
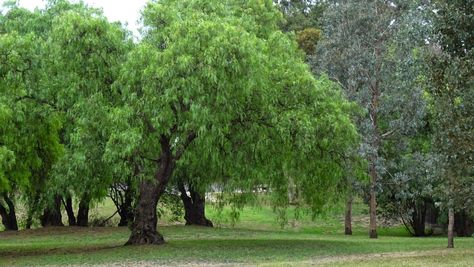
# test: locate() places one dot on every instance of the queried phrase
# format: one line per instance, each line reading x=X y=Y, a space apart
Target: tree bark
x=450 y=228
x=52 y=214
x=194 y=207
x=348 y=217
x=70 y=211
x=8 y=215
x=144 y=227
x=83 y=212
x=373 y=203
x=126 y=209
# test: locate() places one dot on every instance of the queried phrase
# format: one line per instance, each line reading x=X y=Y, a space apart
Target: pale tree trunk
x=373 y=113
x=451 y=228
x=373 y=168
x=348 y=217
x=373 y=210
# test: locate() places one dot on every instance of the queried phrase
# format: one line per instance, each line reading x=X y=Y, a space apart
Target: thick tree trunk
x=52 y=214
x=126 y=208
x=144 y=228
x=8 y=215
x=83 y=212
x=348 y=217
x=70 y=211
x=451 y=228
x=194 y=207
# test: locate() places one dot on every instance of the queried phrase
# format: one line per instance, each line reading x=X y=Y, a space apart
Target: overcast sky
x=126 y=11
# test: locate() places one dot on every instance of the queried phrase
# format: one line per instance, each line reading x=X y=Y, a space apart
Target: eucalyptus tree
x=362 y=50
x=452 y=95
x=216 y=85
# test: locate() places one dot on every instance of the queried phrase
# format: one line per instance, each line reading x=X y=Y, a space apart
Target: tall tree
x=452 y=92
x=360 y=50
x=208 y=80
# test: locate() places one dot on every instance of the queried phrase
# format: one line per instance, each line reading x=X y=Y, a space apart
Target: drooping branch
x=190 y=138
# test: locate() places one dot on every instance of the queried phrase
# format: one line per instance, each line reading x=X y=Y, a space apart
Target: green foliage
x=451 y=93
x=301 y=14
x=29 y=133
x=222 y=74
x=308 y=39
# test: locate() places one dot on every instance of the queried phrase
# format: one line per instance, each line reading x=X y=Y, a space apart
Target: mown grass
x=256 y=239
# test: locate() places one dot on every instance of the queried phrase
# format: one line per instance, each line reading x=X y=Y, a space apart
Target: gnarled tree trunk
x=8 y=215
x=52 y=214
x=348 y=217
x=144 y=227
x=194 y=206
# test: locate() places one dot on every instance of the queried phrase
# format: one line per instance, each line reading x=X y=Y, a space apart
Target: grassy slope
x=256 y=239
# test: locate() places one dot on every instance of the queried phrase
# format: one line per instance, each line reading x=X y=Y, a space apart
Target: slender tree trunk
x=52 y=214
x=451 y=228
x=194 y=207
x=8 y=215
x=373 y=203
x=83 y=212
x=348 y=217
x=70 y=211
x=144 y=228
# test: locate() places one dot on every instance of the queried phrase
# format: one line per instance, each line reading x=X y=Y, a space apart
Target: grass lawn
x=255 y=240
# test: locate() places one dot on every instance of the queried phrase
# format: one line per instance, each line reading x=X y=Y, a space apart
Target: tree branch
x=187 y=142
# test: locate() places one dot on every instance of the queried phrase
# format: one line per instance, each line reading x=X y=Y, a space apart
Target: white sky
x=126 y=11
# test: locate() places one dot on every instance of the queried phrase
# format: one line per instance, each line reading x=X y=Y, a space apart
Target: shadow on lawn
x=194 y=244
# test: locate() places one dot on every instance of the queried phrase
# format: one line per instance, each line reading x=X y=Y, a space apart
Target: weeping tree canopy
x=57 y=70
x=217 y=88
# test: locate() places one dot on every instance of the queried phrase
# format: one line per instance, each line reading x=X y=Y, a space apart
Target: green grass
x=256 y=239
